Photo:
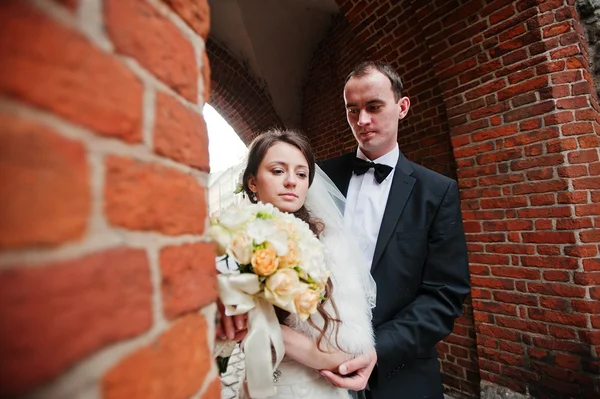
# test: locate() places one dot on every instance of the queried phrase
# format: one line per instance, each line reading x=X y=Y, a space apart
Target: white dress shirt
x=366 y=200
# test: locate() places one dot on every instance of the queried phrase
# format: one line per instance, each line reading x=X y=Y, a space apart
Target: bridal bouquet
x=267 y=257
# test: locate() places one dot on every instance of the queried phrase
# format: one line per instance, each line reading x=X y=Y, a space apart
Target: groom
x=408 y=222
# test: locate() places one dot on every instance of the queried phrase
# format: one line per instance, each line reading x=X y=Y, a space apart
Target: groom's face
x=373 y=112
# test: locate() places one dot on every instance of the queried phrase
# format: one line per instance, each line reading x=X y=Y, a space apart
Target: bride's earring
x=253 y=197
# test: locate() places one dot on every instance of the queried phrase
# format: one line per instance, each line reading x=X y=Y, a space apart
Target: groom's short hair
x=365 y=67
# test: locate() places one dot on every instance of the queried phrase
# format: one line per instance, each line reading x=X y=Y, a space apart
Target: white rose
x=241 y=248
x=261 y=231
x=222 y=238
x=234 y=217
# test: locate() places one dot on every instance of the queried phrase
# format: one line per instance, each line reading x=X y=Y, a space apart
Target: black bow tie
x=381 y=171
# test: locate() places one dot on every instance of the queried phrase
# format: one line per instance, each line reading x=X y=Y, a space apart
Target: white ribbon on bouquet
x=238 y=292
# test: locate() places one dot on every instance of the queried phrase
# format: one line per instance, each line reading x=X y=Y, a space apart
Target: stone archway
x=238 y=96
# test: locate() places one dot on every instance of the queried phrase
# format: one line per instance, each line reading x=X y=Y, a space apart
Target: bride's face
x=282 y=178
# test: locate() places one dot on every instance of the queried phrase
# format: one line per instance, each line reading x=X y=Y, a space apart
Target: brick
x=587 y=278
x=54 y=68
x=528 y=112
x=582 y=251
x=487 y=88
x=556 y=275
x=519 y=299
x=180 y=133
x=511 y=347
x=508 y=225
x=586 y=306
x=520 y=76
x=565 y=77
x=559 y=304
x=572 y=198
x=503 y=203
x=556 y=289
x=540 y=187
x=524 y=87
x=577 y=128
x=564 y=52
x=573 y=171
x=548 y=249
x=531 y=124
x=586 y=183
x=523 y=99
x=546 y=160
x=188 y=278
x=573 y=103
x=195 y=13
x=522 y=324
x=473 y=150
x=558 y=118
x=542 y=199
x=590 y=236
x=44 y=307
x=492 y=283
x=552 y=262
x=554 y=237
x=206 y=81
x=587 y=210
x=542 y=174
x=148 y=372
x=590 y=141
x=487 y=134
x=557 y=317
x=141 y=196
x=500 y=180
x=499 y=156
x=591 y=265
x=45 y=182
x=139 y=31
x=557 y=29
x=549 y=67
x=516 y=272
x=590 y=337
x=498 y=332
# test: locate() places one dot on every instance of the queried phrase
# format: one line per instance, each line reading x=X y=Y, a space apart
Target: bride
x=281 y=171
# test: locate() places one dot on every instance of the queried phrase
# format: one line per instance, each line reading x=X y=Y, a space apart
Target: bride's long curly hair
x=258 y=149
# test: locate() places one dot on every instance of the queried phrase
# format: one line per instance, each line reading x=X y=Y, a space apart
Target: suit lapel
x=402 y=185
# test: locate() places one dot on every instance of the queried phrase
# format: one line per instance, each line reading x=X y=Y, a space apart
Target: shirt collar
x=389 y=159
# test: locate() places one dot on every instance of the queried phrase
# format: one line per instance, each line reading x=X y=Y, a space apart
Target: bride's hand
x=233 y=328
x=303 y=350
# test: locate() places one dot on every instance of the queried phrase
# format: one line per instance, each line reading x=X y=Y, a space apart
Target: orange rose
x=292 y=258
x=306 y=303
x=265 y=261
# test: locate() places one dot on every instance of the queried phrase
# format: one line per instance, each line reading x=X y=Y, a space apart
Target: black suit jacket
x=421 y=269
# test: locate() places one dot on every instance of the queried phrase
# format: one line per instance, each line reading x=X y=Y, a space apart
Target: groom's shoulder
x=335 y=163
x=431 y=180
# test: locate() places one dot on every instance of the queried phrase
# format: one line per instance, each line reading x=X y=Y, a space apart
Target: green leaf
x=222 y=363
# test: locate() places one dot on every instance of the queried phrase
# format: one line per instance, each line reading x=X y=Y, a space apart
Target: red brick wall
x=524 y=128
x=106 y=275
x=239 y=96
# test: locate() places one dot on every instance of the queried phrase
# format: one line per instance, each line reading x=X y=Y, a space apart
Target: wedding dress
x=353 y=293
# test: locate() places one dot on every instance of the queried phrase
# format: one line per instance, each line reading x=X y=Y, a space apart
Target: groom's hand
x=353 y=374
x=228 y=327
